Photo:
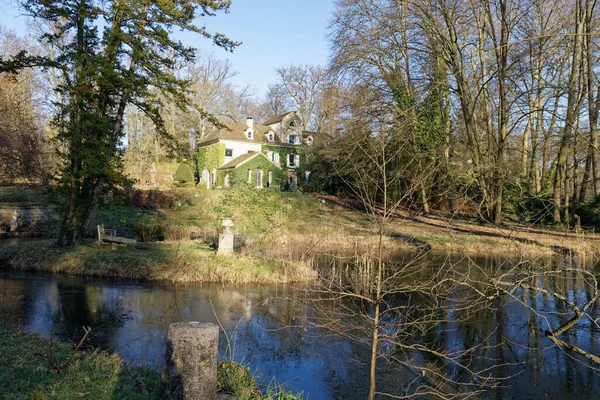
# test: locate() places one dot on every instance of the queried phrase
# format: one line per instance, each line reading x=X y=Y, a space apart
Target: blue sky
x=274 y=33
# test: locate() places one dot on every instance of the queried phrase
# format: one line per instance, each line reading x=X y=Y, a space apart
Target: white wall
x=239 y=148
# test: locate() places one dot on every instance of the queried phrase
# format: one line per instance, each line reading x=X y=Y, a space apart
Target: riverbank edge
x=177 y=262
x=25 y=372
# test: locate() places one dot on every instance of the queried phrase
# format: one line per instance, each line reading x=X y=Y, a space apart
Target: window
x=293 y=123
x=291 y=139
x=228 y=152
x=226 y=181
x=206 y=177
x=249 y=176
x=270 y=179
x=291 y=160
x=249 y=134
x=259 y=178
x=214 y=176
x=271 y=137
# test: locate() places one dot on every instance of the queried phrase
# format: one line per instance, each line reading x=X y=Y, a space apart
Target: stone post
x=191 y=361
x=226 y=238
x=14 y=221
x=153 y=175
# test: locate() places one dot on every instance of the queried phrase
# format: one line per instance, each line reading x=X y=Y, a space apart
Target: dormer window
x=293 y=123
x=249 y=134
x=271 y=137
x=309 y=140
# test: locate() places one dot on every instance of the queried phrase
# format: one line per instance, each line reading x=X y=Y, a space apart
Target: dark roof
x=236 y=162
x=277 y=118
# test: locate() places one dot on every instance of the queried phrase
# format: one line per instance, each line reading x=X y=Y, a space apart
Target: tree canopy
x=110 y=54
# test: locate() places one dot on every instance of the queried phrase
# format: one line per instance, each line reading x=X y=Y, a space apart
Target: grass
x=25 y=372
x=186 y=261
x=25 y=195
x=236 y=379
x=274 y=222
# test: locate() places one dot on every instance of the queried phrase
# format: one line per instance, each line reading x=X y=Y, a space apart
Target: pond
x=131 y=318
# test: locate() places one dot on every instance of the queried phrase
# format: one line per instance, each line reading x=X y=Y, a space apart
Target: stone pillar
x=191 y=361
x=226 y=238
x=153 y=175
x=14 y=221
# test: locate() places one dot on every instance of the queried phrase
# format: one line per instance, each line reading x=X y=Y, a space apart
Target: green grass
x=25 y=372
x=186 y=261
x=25 y=195
x=236 y=379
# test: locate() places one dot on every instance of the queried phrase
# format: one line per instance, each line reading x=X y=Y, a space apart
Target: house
x=263 y=155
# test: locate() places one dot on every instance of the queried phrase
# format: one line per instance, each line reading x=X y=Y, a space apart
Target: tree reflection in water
x=132 y=318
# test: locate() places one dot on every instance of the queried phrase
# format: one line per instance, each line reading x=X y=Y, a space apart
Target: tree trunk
x=570 y=119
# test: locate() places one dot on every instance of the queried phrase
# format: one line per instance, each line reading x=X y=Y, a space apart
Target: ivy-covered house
x=264 y=155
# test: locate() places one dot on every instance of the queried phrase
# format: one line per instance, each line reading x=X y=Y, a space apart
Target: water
x=131 y=319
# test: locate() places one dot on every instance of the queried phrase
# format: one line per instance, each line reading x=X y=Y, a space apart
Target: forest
x=482 y=108
x=468 y=116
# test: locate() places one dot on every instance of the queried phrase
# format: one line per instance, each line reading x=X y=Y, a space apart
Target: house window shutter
x=297 y=160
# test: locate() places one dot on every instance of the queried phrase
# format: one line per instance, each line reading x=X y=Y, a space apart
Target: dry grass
x=171 y=261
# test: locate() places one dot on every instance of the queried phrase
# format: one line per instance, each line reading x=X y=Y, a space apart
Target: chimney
x=250 y=122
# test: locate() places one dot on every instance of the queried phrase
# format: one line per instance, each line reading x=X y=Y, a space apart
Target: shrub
x=589 y=212
x=151 y=228
x=184 y=174
x=151 y=199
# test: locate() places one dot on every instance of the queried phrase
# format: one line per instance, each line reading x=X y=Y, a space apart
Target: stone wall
x=32 y=219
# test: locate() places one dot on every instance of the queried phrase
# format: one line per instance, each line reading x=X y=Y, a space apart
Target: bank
x=181 y=262
x=33 y=367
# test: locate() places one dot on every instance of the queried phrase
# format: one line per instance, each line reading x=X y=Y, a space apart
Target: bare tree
x=302 y=86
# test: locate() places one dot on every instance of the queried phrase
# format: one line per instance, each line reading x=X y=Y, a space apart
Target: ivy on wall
x=239 y=175
x=210 y=157
x=284 y=151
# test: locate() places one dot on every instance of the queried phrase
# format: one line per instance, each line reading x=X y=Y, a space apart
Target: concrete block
x=191 y=361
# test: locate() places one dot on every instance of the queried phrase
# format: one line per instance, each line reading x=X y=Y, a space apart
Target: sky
x=274 y=33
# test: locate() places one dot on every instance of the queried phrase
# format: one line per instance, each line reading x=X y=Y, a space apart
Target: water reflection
x=132 y=318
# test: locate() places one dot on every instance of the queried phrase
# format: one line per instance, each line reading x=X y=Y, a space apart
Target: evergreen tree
x=117 y=52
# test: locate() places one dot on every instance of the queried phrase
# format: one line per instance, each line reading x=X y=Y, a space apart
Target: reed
x=186 y=261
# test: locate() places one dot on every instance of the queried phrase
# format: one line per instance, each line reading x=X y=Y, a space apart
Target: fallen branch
x=54 y=366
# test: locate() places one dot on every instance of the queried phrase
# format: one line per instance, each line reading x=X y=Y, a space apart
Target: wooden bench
x=110 y=235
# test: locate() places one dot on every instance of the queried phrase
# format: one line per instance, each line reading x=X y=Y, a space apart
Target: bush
x=151 y=199
x=589 y=212
x=184 y=174
x=151 y=228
